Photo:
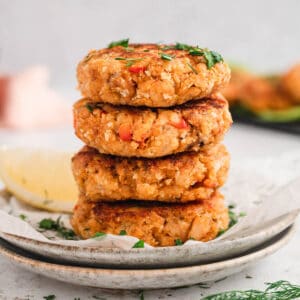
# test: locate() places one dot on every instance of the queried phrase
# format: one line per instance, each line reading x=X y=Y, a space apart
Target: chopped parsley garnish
x=242 y=214
x=89 y=107
x=50 y=297
x=22 y=217
x=180 y=46
x=98 y=234
x=233 y=218
x=129 y=61
x=166 y=56
x=123 y=232
x=58 y=226
x=211 y=57
x=139 y=244
x=48 y=224
x=278 y=290
x=221 y=232
x=192 y=68
x=178 y=242
x=141 y=295
x=124 y=43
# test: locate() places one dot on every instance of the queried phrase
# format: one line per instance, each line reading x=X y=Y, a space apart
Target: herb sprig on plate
x=279 y=290
x=58 y=226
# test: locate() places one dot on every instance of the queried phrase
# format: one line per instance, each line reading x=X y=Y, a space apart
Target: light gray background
x=262 y=34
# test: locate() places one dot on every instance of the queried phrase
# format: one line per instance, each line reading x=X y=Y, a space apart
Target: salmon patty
x=151 y=75
x=146 y=132
x=182 y=177
x=156 y=223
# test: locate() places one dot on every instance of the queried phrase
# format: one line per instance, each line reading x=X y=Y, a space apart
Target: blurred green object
x=286 y=115
x=277 y=116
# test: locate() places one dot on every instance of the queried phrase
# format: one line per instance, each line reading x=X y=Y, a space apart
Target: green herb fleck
x=123 y=43
x=196 y=51
x=221 y=232
x=129 y=61
x=139 y=244
x=98 y=234
x=233 y=218
x=166 y=56
x=178 y=242
x=89 y=107
x=192 y=68
x=242 y=214
x=141 y=295
x=123 y=232
x=50 y=297
x=279 y=290
x=248 y=277
x=22 y=217
x=231 y=206
x=192 y=239
x=48 y=224
x=212 y=58
x=180 y=46
x=58 y=226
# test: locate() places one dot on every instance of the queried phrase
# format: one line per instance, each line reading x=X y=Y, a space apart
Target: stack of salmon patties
x=152 y=121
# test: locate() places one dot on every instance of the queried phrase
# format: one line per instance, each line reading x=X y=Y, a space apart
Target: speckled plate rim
x=146 y=279
x=152 y=257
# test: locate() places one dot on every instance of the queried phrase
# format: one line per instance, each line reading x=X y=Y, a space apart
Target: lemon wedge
x=40 y=178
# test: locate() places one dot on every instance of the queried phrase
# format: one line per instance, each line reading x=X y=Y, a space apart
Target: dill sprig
x=279 y=290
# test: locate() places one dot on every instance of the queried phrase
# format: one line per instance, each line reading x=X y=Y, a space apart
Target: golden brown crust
x=151 y=132
x=157 y=224
x=176 y=178
x=151 y=81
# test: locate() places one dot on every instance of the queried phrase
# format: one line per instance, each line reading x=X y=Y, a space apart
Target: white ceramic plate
x=141 y=279
x=155 y=257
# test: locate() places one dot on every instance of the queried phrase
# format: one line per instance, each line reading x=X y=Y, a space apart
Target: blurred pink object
x=26 y=101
